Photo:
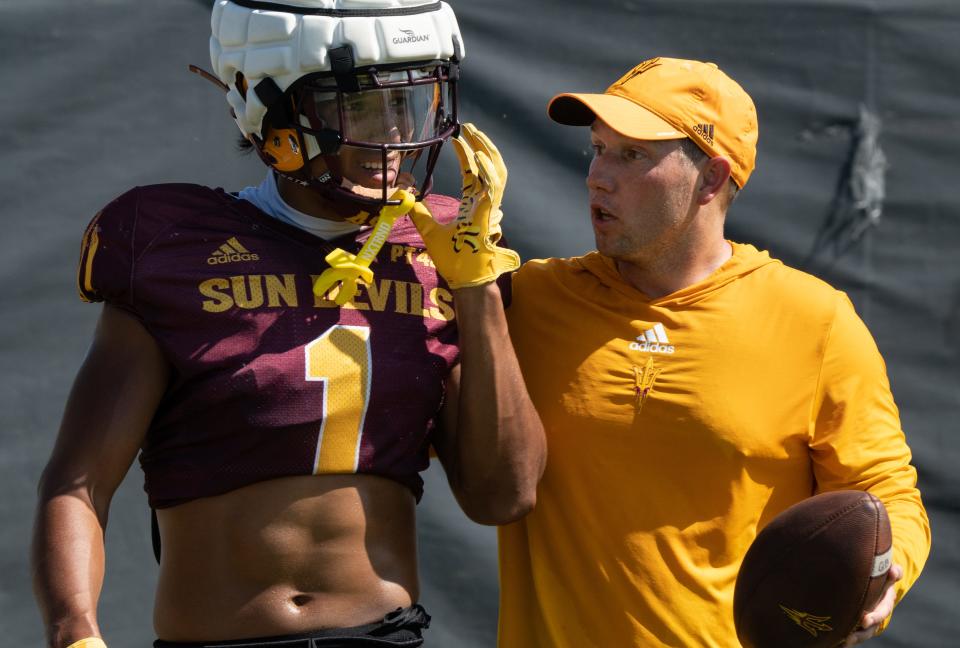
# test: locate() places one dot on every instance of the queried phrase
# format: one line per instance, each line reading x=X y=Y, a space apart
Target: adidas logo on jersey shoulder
x=653 y=340
x=231 y=252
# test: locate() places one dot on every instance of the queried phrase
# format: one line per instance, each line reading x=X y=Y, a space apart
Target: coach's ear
x=713 y=179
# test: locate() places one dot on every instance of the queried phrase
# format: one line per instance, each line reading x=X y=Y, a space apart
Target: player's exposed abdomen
x=285 y=556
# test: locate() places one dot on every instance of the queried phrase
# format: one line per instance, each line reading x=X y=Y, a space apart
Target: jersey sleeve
x=105 y=271
x=857 y=441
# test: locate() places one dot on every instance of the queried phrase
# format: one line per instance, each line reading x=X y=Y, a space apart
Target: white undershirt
x=267 y=198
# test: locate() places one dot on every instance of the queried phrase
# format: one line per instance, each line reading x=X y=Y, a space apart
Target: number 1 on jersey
x=340 y=358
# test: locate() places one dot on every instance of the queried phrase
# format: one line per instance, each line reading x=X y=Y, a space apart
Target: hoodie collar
x=744 y=260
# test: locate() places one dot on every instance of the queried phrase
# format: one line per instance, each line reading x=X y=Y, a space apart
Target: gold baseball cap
x=667 y=98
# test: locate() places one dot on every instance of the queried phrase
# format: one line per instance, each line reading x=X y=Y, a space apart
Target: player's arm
x=107 y=414
x=490 y=439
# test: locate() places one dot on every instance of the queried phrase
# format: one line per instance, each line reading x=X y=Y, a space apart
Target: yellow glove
x=89 y=642
x=465 y=250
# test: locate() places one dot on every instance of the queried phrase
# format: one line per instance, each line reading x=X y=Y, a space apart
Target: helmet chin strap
x=347 y=201
x=342 y=203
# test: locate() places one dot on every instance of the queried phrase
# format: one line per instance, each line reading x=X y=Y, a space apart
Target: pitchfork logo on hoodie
x=410 y=36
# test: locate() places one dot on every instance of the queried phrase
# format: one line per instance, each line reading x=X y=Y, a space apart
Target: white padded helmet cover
x=285 y=46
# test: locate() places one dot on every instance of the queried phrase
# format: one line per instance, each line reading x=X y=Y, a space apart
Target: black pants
x=401 y=628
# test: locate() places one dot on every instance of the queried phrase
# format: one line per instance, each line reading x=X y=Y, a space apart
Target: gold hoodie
x=677 y=428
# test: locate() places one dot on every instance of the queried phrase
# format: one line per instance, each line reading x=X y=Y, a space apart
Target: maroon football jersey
x=268 y=379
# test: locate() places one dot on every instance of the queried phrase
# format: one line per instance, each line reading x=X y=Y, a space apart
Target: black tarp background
x=859 y=115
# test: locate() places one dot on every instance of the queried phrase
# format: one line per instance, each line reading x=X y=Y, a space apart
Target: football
x=812 y=572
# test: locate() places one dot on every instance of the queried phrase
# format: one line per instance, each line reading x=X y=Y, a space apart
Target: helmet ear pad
x=283 y=146
x=280 y=148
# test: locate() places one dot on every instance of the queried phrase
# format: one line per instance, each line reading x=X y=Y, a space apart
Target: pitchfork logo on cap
x=640 y=69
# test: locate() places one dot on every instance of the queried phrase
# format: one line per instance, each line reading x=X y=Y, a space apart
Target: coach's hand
x=465 y=250
x=870 y=623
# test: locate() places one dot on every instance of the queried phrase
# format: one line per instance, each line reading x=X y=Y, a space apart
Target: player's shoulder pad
x=121 y=233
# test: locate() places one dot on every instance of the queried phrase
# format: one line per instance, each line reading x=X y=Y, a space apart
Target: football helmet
x=350 y=97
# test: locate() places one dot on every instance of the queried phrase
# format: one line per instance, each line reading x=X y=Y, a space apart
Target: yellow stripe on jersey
x=88 y=249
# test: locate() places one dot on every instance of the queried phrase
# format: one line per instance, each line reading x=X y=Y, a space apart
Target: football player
x=282 y=359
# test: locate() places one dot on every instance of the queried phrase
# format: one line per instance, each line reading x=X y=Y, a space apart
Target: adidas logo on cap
x=705 y=131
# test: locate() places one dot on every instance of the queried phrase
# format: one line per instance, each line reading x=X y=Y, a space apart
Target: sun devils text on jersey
x=268 y=379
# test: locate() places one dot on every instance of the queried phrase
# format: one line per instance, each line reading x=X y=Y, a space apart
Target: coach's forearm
x=67 y=559
x=501 y=447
